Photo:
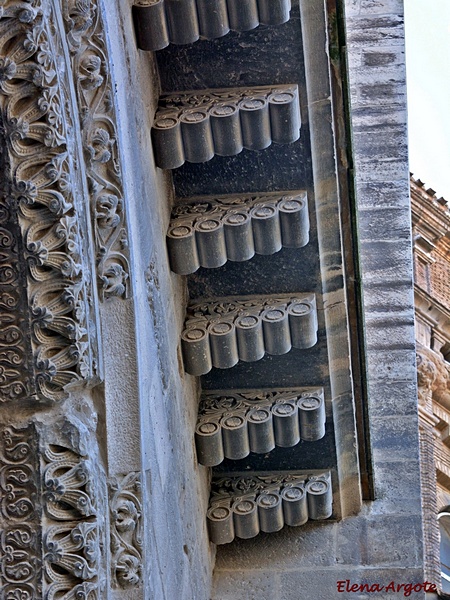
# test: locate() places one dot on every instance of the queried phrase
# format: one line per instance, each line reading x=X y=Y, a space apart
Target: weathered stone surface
x=236 y=583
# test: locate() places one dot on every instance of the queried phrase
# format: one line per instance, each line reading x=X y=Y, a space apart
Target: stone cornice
x=161 y=22
x=243 y=505
x=429 y=215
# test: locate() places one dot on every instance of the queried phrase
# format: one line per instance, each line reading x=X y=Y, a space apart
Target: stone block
x=381 y=144
x=299 y=584
x=251 y=585
x=309 y=545
x=392 y=194
x=373 y=118
x=384 y=260
x=351 y=541
x=393 y=398
x=384 y=58
x=377 y=30
x=394 y=541
x=392 y=296
x=390 y=223
x=391 y=365
x=384 y=7
x=394 y=438
x=382 y=93
x=397 y=488
x=390 y=332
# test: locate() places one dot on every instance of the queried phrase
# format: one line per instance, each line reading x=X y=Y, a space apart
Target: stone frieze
x=97 y=120
x=51 y=522
x=47 y=296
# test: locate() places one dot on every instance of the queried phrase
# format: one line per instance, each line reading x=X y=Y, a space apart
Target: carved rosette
x=126 y=530
x=97 y=120
x=43 y=256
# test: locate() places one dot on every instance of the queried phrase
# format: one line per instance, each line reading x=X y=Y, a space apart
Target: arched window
x=444 y=529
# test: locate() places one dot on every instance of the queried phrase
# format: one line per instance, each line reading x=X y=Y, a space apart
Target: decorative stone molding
x=46 y=295
x=20 y=514
x=208 y=231
x=50 y=518
x=220 y=332
x=161 y=22
x=194 y=126
x=233 y=423
x=244 y=505
x=97 y=119
x=72 y=532
x=126 y=530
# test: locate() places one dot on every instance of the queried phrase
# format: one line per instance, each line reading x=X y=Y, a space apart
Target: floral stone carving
x=97 y=119
x=44 y=257
x=126 y=530
x=20 y=514
x=50 y=521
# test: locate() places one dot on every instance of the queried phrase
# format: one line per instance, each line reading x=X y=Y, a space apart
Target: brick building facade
x=431 y=234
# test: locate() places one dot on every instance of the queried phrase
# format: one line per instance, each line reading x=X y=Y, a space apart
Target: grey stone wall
x=383 y=543
x=151 y=405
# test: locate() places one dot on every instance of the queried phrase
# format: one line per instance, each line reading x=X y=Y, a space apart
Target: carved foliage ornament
x=93 y=88
x=20 y=516
x=126 y=530
x=43 y=257
x=71 y=541
x=50 y=521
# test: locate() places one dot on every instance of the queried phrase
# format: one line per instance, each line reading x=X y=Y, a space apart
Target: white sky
x=428 y=75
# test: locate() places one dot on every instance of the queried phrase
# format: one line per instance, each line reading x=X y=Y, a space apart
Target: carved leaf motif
x=34 y=102
x=126 y=543
x=128 y=569
x=19 y=513
x=95 y=100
